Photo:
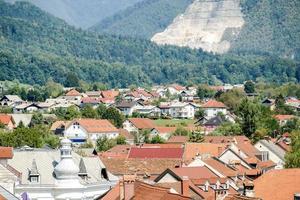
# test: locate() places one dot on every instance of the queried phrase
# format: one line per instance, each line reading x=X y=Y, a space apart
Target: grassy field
x=174 y=122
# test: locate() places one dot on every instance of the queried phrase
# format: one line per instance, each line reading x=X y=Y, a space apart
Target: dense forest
x=36 y=46
x=144 y=19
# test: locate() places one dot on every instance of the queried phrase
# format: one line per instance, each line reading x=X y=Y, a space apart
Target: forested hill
x=36 y=46
x=144 y=19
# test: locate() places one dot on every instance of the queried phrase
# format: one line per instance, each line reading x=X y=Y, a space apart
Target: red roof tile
x=92 y=100
x=155 y=153
x=6 y=152
x=110 y=94
x=194 y=149
x=178 y=139
x=142 y=123
x=96 y=125
x=213 y=104
x=278 y=184
x=165 y=130
x=194 y=173
x=73 y=92
x=284 y=117
x=5 y=119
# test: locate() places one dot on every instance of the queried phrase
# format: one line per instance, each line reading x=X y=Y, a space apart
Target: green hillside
x=35 y=46
x=271 y=26
x=144 y=19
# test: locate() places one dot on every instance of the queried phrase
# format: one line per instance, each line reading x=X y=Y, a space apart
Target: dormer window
x=34 y=176
x=34 y=179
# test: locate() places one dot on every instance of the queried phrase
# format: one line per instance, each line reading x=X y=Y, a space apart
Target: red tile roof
x=278 y=184
x=178 y=139
x=110 y=94
x=284 y=117
x=165 y=130
x=221 y=167
x=96 y=125
x=6 y=152
x=126 y=134
x=155 y=153
x=213 y=104
x=142 y=123
x=194 y=173
x=145 y=191
x=73 y=92
x=194 y=149
x=5 y=119
x=92 y=100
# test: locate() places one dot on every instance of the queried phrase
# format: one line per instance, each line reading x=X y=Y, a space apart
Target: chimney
x=185 y=186
x=206 y=185
x=127 y=187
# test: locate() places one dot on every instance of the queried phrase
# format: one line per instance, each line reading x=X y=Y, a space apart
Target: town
x=225 y=142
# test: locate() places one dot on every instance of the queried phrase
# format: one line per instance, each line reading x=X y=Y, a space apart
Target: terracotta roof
x=213 y=104
x=92 y=100
x=194 y=173
x=5 y=119
x=96 y=125
x=59 y=124
x=6 y=152
x=2 y=197
x=284 y=117
x=221 y=167
x=165 y=130
x=239 y=197
x=141 y=167
x=144 y=191
x=73 y=92
x=218 y=139
x=113 y=193
x=137 y=152
x=194 y=149
x=142 y=123
x=118 y=151
x=110 y=93
x=278 y=184
x=178 y=139
x=177 y=87
x=164 y=145
x=266 y=164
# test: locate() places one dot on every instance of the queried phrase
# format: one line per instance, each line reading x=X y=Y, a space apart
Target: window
x=34 y=179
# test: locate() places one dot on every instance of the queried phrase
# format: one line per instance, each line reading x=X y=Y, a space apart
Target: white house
x=128 y=107
x=163 y=132
x=148 y=110
x=271 y=151
x=212 y=108
x=181 y=110
x=175 y=89
x=81 y=130
x=26 y=107
x=58 y=174
x=138 y=124
x=10 y=100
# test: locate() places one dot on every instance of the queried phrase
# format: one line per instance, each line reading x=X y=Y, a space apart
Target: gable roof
x=164 y=130
x=110 y=94
x=14 y=98
x=274 y=148
x=73 y=92
x=221 y=167
x=278 y=184
x=213 y=104
x=6 y=119
x=142 y=123
x=6 y=152
x=194 y=149
x=284 y=117
x=96 y=125
x=155 y=153
x=214 y=121
x=178 y=139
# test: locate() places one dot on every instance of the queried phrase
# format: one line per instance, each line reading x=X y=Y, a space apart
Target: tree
x=101 y=110
x=181 y=131
x=72 y=80
x=204 y=91
x=72 y=113
x=121 y=139
x=88 y=112
x=248 y=117
x=292 y=158
x=104 y=143
x=196 y=136
x=53 y=89
x=113 y=115
x=37 y=118
x=157 y=140
x=199 y=113
x=249 y=87
x=228 y=128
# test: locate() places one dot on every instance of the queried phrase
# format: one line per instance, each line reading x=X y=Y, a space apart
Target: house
x=138 y=124
x=270 y=103
x=58 y=127
x=278 y=185
x=211 y=124
x=271 y=151
x=93 y=101
x=175 y=89
x=293 y=103
x=181 y=110
x=58 y=174
x=10 y=100
x=283 y=119
x=163 y=132
x=174 y=139
x=149 y=110
x=187 y=96
x=212 y=108
x=127 y=135
x=82 y=130
x=129 y=188
x=6 y=153
x=128 y=107
x=93 y=94
x=26 y=108
x=205 y=150
x=7 y=121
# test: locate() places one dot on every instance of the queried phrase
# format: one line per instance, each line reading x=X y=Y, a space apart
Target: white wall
x=273 y=157
x=212 y=112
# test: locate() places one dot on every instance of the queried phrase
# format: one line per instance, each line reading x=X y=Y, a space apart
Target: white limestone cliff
x=203 y=25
